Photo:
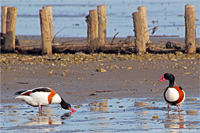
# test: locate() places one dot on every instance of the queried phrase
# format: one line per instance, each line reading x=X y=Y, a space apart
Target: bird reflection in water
x=47 y=119
x=43 y=120
x=66 y=115
x=175 y=121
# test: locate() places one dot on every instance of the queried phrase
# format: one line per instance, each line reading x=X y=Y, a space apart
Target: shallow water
x=111 y=115
x=70 y=14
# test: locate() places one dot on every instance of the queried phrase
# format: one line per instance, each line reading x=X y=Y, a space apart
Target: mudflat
x=80 y=77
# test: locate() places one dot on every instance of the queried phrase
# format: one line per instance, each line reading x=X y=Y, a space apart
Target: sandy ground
x=124 y=77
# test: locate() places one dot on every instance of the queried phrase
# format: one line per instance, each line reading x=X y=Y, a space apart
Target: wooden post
x=10 y=29
x=102 y=21
x=46 y=38
x=50 y=20
x=190 y=29
x=3 y=19
x=146 y=32
x=139 y=32
x=88 y=29
x=93 y=31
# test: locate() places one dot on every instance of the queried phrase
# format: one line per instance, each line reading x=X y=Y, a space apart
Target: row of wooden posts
x=96 y=29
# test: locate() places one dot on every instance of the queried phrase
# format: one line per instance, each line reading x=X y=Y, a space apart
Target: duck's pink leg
x=179 y=108
x=168 y=108
x=40 y=109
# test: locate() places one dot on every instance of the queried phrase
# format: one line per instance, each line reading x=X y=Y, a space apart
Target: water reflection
x=42 y=120
x=17 y=118
x=175 y=121
x=143 y=112
x=47 y=118
x=112 y=115
x=99 y=106
x=66 y=116
x=100 y=120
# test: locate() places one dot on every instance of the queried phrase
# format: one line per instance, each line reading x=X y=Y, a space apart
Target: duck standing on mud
x=173 y=95
x=40 y=96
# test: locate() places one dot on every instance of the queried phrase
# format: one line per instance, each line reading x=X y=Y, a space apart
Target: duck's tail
x=19 y=92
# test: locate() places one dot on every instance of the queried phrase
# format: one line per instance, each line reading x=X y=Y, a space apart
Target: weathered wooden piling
x=46 y=30
x=146 y=29
x=10 y=29
x=102 y=24
x=88 y=29
x=93 y=31
x=138 y=21
x=3 y=19
x=190 y=29
x=50 y=19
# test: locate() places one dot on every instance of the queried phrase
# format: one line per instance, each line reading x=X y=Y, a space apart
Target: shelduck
x=173 y=95
x=42 y=96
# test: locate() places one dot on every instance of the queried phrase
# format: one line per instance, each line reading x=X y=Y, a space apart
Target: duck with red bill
x=42 y=96
x=173 y=95
x=162 y=79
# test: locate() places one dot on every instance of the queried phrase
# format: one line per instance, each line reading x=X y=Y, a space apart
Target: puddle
x=111 y=115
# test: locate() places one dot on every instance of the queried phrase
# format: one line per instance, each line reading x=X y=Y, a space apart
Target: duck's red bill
x=162 y=79
x=73 y=110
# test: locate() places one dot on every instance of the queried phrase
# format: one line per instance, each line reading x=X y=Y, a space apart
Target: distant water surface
x=70 y=15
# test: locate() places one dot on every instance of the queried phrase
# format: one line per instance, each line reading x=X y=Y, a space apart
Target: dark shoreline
x=156 y=39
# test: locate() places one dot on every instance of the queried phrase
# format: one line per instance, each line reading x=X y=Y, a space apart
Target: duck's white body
x=40 y=97
x=171 y=94
x=174 y=96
